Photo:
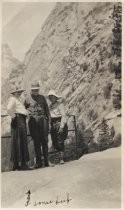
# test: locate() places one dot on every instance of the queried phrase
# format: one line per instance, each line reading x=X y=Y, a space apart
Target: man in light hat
x=39 y=119
x=59 y=128
x=18 y=113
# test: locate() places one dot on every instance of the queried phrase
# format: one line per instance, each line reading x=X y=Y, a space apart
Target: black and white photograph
x=61 y=104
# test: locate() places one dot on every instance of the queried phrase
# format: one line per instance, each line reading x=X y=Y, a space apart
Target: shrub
x=97 y=64
x=84 y=140
x=95 y=96
x=117 y=140
x=79 y=109
x=98 y=45
x=93 y=50
x=92 y=115
x=102 y=69
x=117 y=30
x=93 y=147
x=85 y=67
x=112 y=132
x=111 y=66
x=107 y=90
x=104 y=139
x=80 y=131
x=104 y=107
x=95 y=116
x=73 y=88
x=52 y=33
x=117 y=69
x=81 y=126
x=80 y=134
x=88 y=135
x=116 y=103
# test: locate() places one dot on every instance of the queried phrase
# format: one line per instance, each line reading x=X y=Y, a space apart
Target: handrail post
x=76 y=139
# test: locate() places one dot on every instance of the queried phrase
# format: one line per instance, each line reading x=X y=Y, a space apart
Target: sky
x=21 y=23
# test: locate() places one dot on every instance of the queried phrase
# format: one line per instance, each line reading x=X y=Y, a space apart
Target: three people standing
x=40 y=121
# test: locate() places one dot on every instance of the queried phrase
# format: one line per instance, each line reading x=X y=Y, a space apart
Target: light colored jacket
x=15 y=106
x=58 y=110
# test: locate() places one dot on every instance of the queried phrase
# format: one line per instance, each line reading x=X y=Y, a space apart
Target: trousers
x=38 y=127
x=57 y=137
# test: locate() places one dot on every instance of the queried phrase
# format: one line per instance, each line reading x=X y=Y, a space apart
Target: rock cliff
x=73 y=55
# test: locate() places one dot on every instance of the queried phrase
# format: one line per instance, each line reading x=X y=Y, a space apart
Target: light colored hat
x=16 y=88
x=35 y=85
x=52 y=93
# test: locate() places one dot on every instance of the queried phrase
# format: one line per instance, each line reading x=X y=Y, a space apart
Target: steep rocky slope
x=73 y=55
x=12 y=70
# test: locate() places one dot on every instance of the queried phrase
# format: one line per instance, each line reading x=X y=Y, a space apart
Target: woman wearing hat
x=59 y=128
x=18 y=113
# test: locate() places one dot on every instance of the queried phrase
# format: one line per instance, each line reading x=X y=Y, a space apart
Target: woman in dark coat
x=18 y=113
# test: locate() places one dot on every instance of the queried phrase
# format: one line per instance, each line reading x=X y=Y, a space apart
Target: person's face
x=52 y=98
x=35 y=92
x=17 y=94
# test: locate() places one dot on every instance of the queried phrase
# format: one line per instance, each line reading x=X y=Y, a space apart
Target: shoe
x=61 y=157
x=25 y=167
x=16 y=168
x=62 y=162
x=51 y=164
x=38 y=166
x=46 y=164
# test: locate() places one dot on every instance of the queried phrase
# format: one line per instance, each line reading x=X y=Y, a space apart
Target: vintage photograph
x=61 y=104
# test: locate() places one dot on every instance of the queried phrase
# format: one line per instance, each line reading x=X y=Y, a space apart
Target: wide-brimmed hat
x=16 y=88
x=52 y=93
x=35 y=85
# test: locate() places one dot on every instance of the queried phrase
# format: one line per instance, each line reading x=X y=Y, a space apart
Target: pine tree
x=117 y=51
x=112 y=132
x=117 y=38
x=104 y=139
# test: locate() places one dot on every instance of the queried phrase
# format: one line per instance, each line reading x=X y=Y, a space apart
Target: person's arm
x=27 y=106
x=10 y=107
x=26 y=103
x=63 y=114
x=47 y=110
